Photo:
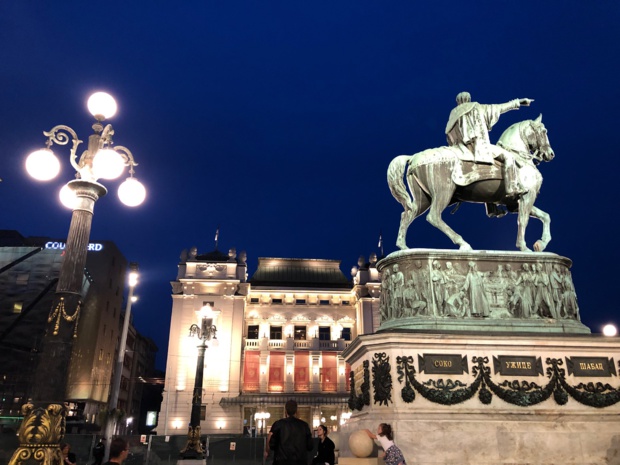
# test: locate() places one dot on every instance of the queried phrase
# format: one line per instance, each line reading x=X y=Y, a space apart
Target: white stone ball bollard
x=360 y=444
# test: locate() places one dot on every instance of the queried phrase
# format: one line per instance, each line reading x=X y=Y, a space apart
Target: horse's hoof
x=539 y=246
x=465 y=248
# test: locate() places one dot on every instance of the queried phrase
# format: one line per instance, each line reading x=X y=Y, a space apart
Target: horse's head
x=535 y=136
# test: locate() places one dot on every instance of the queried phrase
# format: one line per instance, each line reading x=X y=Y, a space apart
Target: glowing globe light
x=610 y=330
x=101 y=105
x=132 y=193
x=42 y=165
x=67 y=197
x=108 y=164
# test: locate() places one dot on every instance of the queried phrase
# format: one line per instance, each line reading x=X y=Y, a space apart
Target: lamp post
x=43 y=426
x=261 y=418
x=118 y=370
x=205 y=332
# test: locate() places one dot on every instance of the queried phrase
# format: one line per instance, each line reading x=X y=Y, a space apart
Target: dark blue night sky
x=277 y=120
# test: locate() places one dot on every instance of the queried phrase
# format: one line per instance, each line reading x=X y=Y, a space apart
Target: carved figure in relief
x=457 y=305
x=474 y=289
x=385 y=299
x=397 y=285
x=439 y=288
x=543 y=300
x=569 y=298
x=422 y=285
x=412 y=300
x=524 y=293
x=508 y=284
x=555 y=280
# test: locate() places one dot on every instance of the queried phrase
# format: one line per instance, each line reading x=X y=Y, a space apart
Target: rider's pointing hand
x=525 y=102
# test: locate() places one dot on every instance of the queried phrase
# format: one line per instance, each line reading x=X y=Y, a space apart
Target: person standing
x=290 y=438
x=119 y=450
x=325 y=454
x=99 y=452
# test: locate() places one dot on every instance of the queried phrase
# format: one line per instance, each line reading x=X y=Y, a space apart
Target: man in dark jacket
x=290 y=438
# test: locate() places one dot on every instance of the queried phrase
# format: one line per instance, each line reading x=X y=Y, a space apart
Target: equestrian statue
x=471 y=169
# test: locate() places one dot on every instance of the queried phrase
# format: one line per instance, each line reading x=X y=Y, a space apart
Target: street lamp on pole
x=43 y=426
x=205 y=332
x=118 y=369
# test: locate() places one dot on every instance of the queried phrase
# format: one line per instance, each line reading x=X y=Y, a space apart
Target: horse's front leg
x=406 y=218
x=542 y=243
x=526 y=203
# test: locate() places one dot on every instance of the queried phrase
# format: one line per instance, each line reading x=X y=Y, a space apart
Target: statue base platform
x=359 y=461
x=191 y=462
x=489 y=291
x=488 y=399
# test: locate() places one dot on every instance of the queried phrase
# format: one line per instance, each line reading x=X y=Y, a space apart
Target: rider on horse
x=468 y=128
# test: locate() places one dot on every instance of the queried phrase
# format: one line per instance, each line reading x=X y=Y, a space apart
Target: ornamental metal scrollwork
x=520 y=393
x=382 y=378
x=357 y=402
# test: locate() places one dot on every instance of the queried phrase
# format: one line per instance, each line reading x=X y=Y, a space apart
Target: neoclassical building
x=280 y=335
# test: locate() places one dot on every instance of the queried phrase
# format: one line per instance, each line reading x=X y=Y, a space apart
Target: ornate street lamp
x=43 y=426
x=205 y=332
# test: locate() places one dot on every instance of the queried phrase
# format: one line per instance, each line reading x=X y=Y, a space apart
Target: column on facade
x=342 y=380
x=315 y=367
x=289 y=367
x=264 y=370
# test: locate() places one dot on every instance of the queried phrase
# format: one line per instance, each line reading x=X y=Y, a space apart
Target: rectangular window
x=100 y=354
x=253 y=332
x=323 y=302
x=324 y=333
x=276 y=372
x=254 y=300
x=17 y=307
x=104 y=329
x=346 y=302
x=346 y=334
x=210 y=304
x=300 y=333
x=275 y=332
x=300 y=301
x=302 y=371
x=251 y=369
x=329 y=372
x=276 y=301
x=203 y=412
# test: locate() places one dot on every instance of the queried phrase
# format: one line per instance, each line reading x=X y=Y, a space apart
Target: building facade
x=29 y=268
x=280 y=335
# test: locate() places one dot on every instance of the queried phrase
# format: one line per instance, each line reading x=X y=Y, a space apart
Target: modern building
x=29 y=268
x=281 y=335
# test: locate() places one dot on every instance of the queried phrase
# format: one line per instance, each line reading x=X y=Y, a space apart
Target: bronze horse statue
x=431 y=177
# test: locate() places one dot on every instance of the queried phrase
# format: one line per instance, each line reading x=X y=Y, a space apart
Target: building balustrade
x=311 y=344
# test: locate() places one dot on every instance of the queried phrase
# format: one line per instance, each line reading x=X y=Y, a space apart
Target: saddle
x=467 y=171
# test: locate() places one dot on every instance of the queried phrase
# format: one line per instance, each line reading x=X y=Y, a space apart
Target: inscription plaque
x=517 y=365
x=444 y=364
x=590 y=366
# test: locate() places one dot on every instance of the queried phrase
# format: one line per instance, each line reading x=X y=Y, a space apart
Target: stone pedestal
x=483 y=398
x=481 y=358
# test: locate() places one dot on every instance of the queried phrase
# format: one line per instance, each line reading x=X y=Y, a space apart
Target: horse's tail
x=396 y=172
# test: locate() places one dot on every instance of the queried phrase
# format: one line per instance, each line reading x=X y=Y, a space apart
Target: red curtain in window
x=251 y=371
x=276 y=371
x=302 y=371
x=329 y=372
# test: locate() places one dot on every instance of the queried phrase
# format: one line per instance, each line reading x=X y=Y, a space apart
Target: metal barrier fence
x=222 y=450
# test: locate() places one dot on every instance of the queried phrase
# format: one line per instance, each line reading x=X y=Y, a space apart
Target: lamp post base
x=193 y=449
x=40 y=434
